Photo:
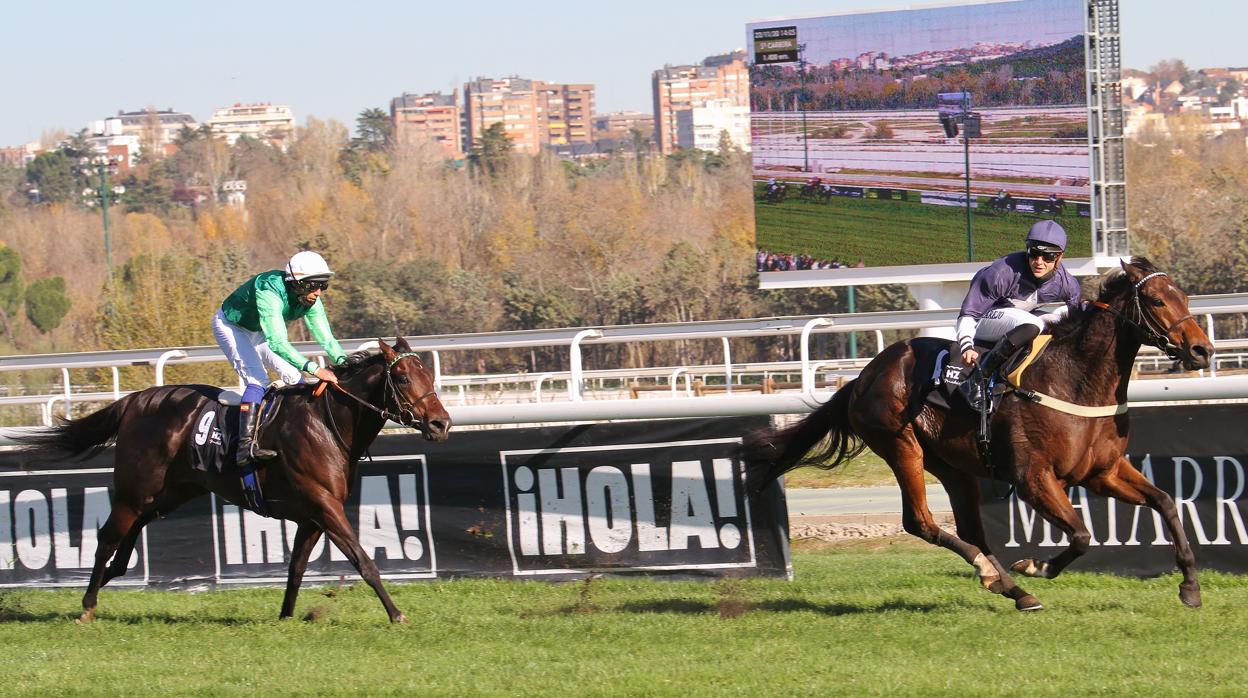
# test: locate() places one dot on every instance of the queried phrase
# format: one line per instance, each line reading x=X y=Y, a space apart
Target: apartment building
x=619 y=125
x=534 y=113
x=272 y=123
x=429 y=118
x=680 y=88
x=702 y=127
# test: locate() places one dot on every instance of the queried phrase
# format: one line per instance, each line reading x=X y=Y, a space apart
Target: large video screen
x=918 y=136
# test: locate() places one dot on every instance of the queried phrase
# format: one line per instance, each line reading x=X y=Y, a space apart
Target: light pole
x=102 y=163
x=801 y=104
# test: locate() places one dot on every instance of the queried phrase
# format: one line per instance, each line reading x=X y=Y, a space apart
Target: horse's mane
x=1114 y=283
x=358 y=362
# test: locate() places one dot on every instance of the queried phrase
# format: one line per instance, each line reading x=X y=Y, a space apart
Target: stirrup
x=253 y=496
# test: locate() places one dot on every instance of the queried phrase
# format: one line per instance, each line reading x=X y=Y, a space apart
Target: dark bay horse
x=319 y=439
x=1039 y=449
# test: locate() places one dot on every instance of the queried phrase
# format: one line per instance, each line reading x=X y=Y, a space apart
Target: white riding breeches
x=249 y=353
x=997 y=322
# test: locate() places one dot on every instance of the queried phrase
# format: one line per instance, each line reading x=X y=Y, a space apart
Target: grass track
x=891 y=233
x=884 y=617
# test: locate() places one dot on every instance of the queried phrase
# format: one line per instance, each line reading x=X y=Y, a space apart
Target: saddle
x=949 y=385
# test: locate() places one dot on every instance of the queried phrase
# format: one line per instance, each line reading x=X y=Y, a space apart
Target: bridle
x=1146 y=323
x=407 y=409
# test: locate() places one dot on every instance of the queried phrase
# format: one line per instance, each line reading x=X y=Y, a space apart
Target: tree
x=492 y=150
x=52 y=173
x=373 y=131
x=46 y=303
x=11 y=290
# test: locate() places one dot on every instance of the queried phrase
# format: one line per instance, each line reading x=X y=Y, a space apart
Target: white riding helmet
x=307 y=265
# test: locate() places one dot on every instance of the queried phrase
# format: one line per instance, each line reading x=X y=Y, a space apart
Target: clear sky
x=67 y=63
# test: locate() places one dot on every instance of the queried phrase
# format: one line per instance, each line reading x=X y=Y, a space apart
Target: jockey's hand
x=326 y=375
x=968 y=357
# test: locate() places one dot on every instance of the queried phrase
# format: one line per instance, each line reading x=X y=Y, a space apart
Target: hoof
x=1190 y=596
x=1028 y=603
x=86 y=617
x=1028 y=568
x=399 y=619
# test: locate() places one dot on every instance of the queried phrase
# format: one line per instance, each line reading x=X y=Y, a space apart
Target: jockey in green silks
x=250 y=328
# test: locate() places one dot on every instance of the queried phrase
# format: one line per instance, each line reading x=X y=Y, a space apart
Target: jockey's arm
x=1056 y=315
x=965 y=330
x=273 y=325
x=318 y=325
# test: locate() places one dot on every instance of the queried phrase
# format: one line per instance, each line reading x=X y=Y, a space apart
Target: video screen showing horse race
x=920 y=136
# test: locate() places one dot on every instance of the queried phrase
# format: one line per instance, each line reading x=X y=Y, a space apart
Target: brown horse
x=319 y=439
x=1040 y=450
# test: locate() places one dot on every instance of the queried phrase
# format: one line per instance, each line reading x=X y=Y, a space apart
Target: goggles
x=310 y=285
x=1034 y=252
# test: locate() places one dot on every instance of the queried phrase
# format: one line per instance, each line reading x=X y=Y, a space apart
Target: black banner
x=656 y=497
x=1196 y=453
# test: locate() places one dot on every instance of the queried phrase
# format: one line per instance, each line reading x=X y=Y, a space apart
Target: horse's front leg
x=1041 y=489
x=334 y=521
x=1125 y=483
x=305 y=539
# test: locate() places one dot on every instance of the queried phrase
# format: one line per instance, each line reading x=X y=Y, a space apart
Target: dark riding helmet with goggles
x=1045 y=239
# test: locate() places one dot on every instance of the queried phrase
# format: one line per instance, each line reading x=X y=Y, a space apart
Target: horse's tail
x=772 y=453
x=77 y=438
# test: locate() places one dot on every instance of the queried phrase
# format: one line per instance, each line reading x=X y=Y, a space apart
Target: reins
x=407 y=410
x=1146 y=324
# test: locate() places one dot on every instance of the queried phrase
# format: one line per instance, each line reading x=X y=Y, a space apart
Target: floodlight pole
x=966 y=155
x=801 y=105
x=853 y=336
x=108 y=249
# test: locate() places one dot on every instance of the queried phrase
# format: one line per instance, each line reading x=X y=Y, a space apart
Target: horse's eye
x=402 y=379
x=1157 y=302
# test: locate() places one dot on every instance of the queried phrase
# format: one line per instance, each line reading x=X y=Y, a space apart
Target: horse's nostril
x=1200 y=350
x=437 y=426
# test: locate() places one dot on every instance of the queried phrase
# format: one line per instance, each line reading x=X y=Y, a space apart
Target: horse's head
x=409 y=386
x=1159 y=309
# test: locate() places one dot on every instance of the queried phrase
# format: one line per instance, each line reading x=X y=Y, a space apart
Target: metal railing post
x=537 y=386
x=116 y=383
x=727 y=366
x=437 y=372
x=68 y=394
x=164 y=358
x=808 y=378
x=574 y=361
x=1213 y=360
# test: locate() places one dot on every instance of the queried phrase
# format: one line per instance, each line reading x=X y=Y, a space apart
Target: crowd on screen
x=782 y=261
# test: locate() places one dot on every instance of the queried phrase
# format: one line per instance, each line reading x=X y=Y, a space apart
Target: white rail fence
x=532 y=398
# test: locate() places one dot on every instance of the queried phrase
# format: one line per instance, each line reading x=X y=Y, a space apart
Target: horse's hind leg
x=305 y=537
x=1125 y=483
x=164 y=504
x=340 y=532
x=963 y=491
x=905 y=456
x=120 y=520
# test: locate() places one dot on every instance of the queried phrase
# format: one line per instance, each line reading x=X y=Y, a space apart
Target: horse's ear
x=401 y=344
x=386 y=350
x=1134 y=273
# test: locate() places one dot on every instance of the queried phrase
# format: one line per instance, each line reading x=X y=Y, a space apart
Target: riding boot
x=1005 y=348
x=248 y=453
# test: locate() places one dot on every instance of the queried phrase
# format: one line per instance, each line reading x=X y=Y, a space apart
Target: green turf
x=891 y=233
x=890 y=617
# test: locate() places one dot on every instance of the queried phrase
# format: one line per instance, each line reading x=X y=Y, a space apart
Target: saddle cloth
x=214 y=441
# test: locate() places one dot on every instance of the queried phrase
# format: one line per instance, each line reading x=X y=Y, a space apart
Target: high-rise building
x=273 y=123
x=619 y=125
x=704 y=127
x=567 y=111
x=432 y=118
x=683 y=87
x=533 y=113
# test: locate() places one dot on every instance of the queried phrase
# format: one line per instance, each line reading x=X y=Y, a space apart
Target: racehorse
x=1039 y=449
x=319 y=439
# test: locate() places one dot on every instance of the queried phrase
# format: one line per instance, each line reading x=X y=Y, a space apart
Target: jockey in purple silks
x=998 y=307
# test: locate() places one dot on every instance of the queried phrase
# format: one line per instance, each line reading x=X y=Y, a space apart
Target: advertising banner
x=655 y=497
x=965 y=108
x=1197 y=454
